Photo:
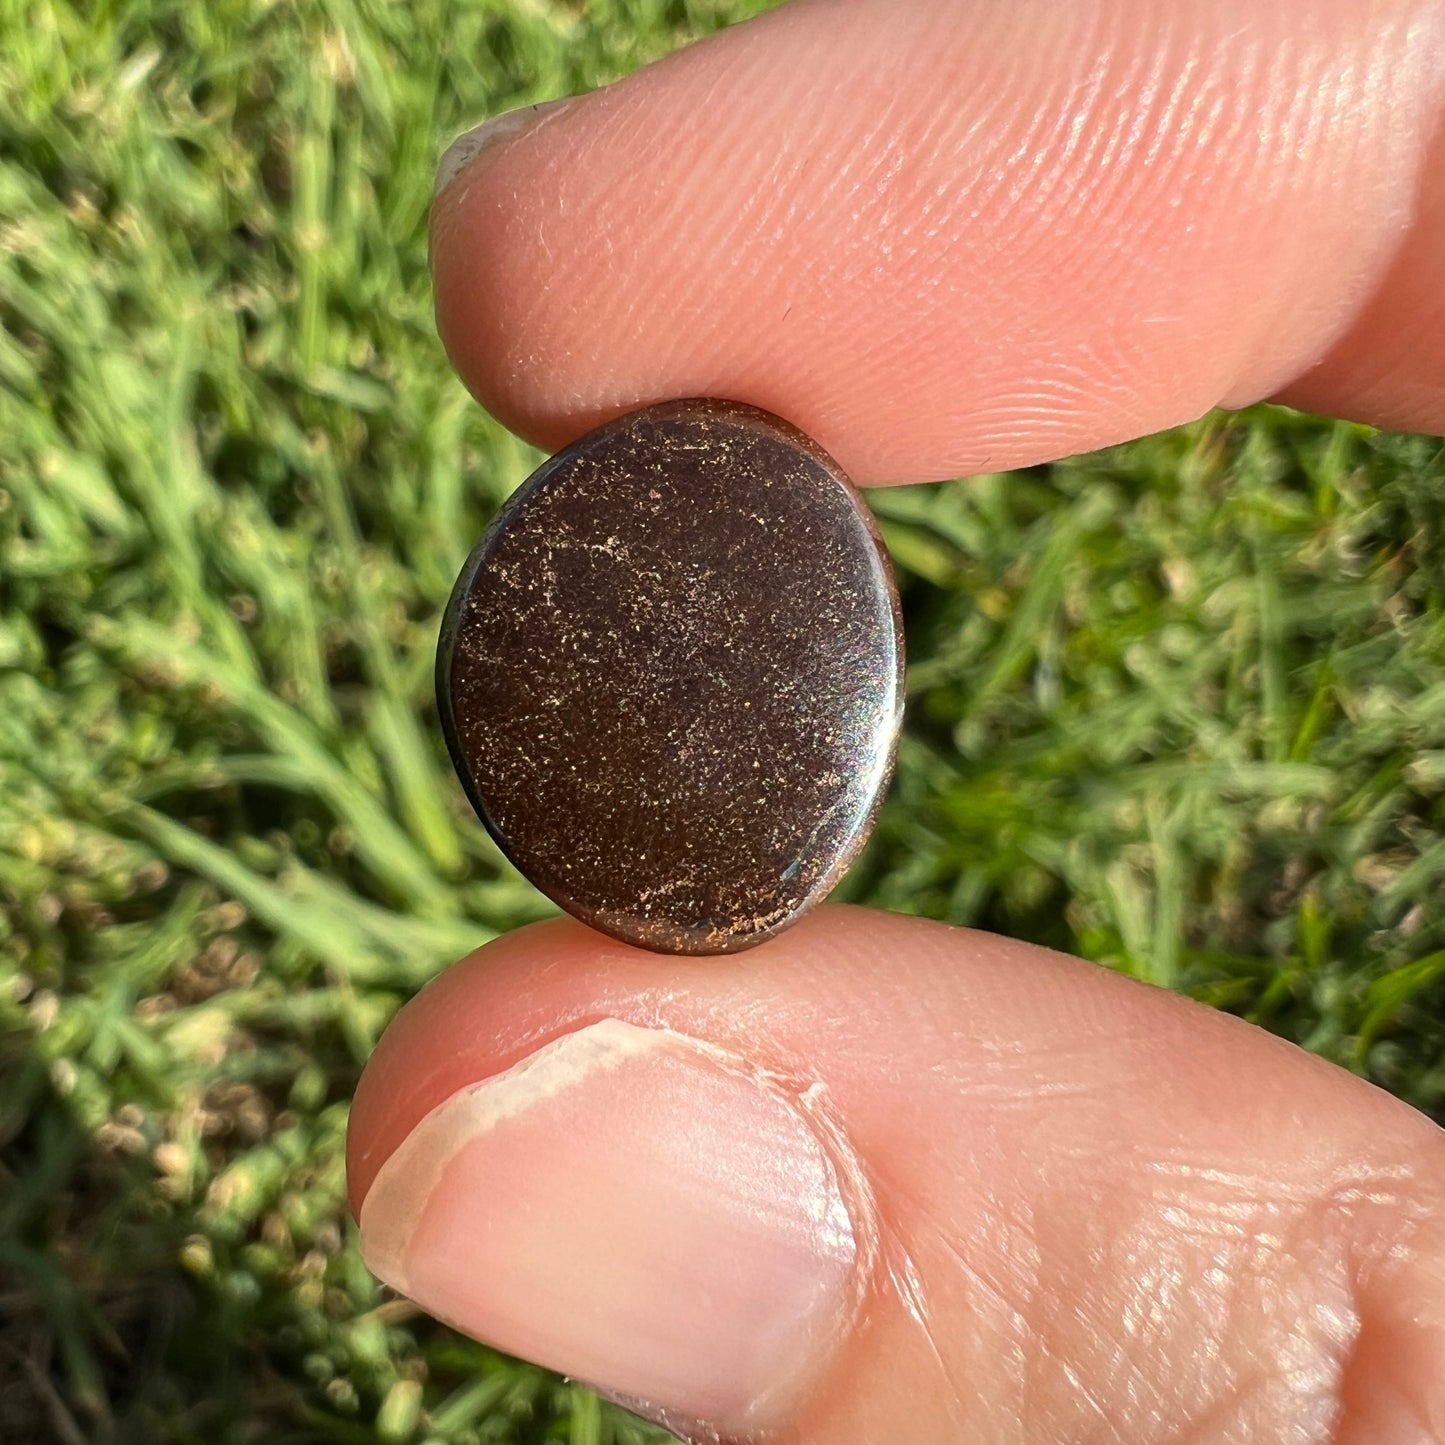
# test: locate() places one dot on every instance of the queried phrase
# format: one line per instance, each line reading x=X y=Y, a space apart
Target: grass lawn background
x=1178 y=707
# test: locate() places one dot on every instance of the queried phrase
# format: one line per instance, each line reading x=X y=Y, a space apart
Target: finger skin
x=1389 y=367
x=944 y=236
x=1104 y=1213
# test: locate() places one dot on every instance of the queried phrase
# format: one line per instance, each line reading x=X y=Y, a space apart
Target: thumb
x=880 y=1169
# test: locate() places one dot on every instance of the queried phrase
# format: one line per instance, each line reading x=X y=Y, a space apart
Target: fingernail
x=468 y=146
x=632 y=1208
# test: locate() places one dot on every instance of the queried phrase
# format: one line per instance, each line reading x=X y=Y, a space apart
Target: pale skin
x=943 y=236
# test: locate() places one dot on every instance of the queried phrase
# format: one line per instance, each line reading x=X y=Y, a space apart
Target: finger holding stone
x=942 y=236
x=882 y=1169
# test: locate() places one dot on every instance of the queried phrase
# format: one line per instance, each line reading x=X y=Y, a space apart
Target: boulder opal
x=671 y=676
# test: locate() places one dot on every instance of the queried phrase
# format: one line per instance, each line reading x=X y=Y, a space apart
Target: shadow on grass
x=96 y=1315
x=127 y=1318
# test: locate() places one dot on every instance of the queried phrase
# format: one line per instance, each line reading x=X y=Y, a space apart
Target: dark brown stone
x=671 y=676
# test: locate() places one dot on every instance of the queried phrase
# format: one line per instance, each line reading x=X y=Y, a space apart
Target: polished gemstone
x=670 y=676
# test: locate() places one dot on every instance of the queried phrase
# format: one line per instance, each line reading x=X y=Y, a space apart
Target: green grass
x=1179 y=707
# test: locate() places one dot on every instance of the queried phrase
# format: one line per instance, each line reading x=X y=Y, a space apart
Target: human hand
x=880 y=1169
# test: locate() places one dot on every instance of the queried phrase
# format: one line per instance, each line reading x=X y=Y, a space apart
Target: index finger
x=949 y=235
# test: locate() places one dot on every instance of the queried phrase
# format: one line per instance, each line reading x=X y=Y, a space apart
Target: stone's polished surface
x=671 y=676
